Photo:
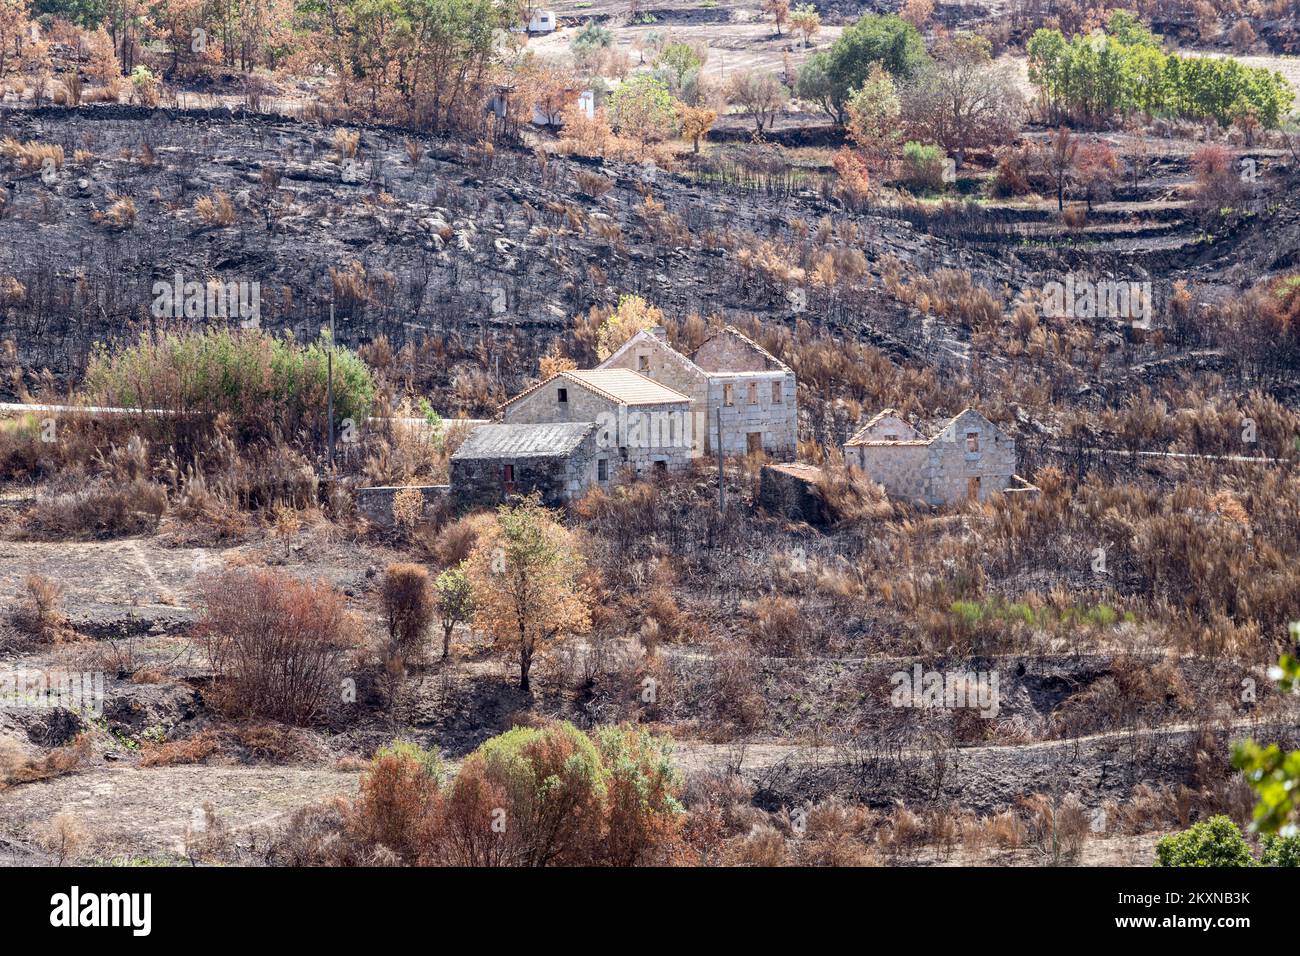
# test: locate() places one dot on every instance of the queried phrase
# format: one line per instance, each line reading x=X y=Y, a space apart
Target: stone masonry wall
x=728 y=353
x=901 y=469
x=952 y=465
x=544 y=406
x=377 y=503
x=777 y=423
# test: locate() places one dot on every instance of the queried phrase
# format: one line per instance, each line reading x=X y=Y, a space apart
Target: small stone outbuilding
x=559 y=459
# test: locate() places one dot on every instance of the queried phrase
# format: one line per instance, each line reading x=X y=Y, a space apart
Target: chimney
x=659 y=332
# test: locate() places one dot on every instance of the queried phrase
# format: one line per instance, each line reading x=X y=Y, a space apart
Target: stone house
x=729 y=373
x=970 y=457
x=641 y=424
x=559 y=459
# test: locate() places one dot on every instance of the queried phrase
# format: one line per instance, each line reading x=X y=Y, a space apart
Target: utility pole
x=722 y=487
x=329 y=364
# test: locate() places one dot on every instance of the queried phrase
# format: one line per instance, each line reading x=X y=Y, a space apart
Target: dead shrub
x=40 y=610
x=277 y=743
x=408 y=608
x=456 y=541
x=120 y=214
x=103 y=509
x=192 y=750
x=777 y=627
x=276 y=644
x=215 y=210
x=763 y=846
x=1057 y=827
x=56 y=763
x=63 y=836
x=31 y=155
x=592 y=184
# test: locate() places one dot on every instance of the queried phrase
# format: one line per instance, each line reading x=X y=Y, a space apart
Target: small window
x=728 y=396
x=891 y=436
x=972 y=441
x=753 y=393
x=643 y=363
x=776 y=393
x=602 y=469
x=563 y=395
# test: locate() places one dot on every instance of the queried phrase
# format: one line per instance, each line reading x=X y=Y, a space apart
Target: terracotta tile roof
x=626 y=386
x=620 y=385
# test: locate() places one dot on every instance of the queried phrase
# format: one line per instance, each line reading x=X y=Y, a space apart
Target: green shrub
x=1281 y=851
x=553 y=786
x=1214 y=842
x=263 y=382
x=923 y=166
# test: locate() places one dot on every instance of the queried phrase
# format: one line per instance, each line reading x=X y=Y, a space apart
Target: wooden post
x=329 y=363
x=722 y=487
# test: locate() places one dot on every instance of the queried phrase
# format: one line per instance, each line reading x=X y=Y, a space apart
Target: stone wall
x=543 y=406
x=952 y=465
x=729 y=353
x=787 y=490
x=889 y=425
x=377 y=503
x=901 y=468
x=664 y=365
x=777 y=423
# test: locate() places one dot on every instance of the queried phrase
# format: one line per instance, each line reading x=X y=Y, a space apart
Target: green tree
x=874 y=117
x=642 y=108
x=455 y=599
x=830 y=77
x=525 y=572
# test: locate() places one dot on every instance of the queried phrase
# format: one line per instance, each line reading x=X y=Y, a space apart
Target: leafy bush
x=554 y=788
x=643 y=814
x=1215 y=842
x=263 y=382
x=1281 y=851
x=923 y=166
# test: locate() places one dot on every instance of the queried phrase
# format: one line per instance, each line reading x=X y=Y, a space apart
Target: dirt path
x=147 y=810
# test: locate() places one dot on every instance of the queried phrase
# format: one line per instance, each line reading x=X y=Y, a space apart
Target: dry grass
x=215 y=210
x=120 y=214
x=31 y=155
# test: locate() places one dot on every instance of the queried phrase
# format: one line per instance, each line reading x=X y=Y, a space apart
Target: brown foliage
x=276 y=643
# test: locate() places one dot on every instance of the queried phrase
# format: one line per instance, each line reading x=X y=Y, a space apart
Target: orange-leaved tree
x=526 y=574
